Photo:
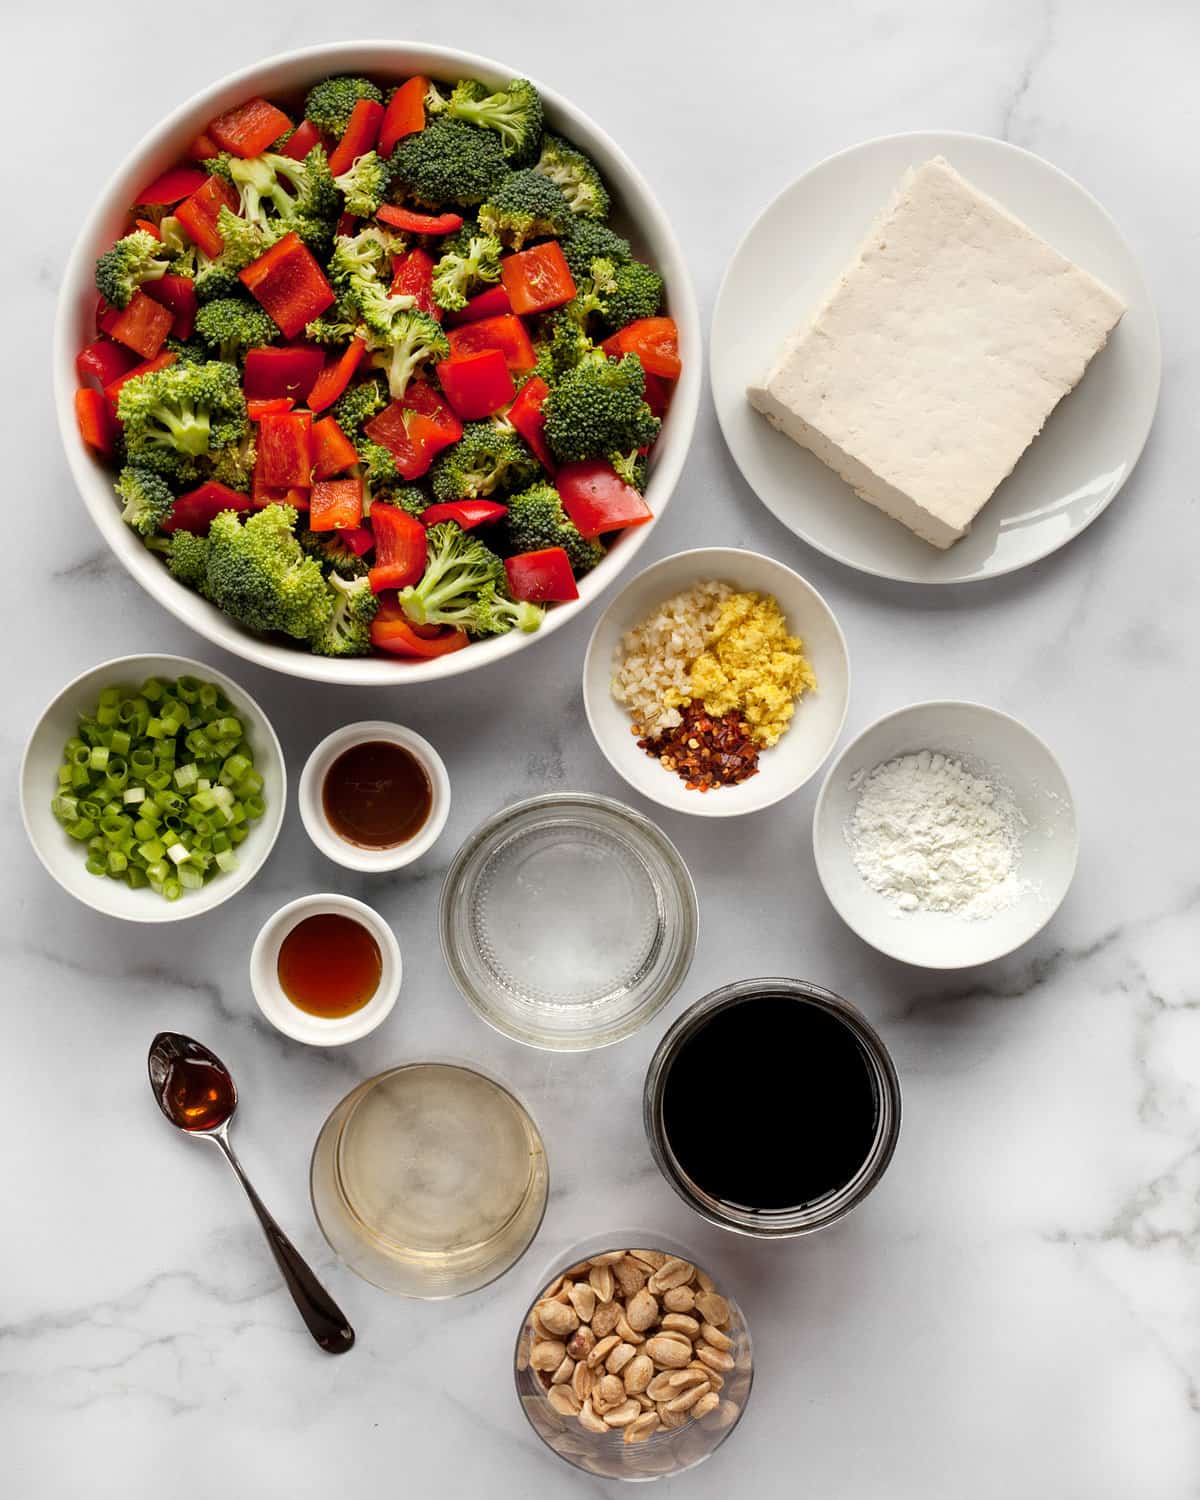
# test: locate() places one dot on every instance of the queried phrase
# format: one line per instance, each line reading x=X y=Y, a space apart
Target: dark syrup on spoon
x=799 y=1105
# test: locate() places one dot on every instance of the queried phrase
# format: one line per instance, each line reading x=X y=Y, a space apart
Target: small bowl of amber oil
x=325 y=970
x=374 y=796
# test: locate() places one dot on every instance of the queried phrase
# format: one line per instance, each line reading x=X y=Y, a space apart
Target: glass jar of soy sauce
x=772 y=1107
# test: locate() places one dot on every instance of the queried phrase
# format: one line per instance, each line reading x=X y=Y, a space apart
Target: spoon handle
x=322 y=1316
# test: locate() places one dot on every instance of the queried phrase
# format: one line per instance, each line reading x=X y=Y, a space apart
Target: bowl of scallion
x=153 y=788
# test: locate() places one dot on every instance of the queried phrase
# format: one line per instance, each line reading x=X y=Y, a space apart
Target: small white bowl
x=312 y=802
x=820 y=715
x=64 y=858
x=1011 y=754
x=322 y=1031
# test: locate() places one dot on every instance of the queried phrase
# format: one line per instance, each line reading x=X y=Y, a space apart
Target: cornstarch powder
x=930 y=835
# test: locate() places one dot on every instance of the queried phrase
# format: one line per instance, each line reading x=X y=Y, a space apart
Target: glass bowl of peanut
x=633 y=1363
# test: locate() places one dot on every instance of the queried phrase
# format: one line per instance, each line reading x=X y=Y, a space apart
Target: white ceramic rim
x=712 y=806
x=1003 y=949
x=266 y=831
x=312 y=806
x=965 y=135
x=94 y=483
x=323 y=1031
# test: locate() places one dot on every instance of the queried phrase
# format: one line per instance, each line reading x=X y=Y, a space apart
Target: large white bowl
x=64 y=857
x=636 y=213
x=819 y=715
x=1012 y=754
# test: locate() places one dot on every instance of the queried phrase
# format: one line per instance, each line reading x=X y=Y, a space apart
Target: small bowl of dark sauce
x=374 y=796
x=809 y=1098
x=325 y=970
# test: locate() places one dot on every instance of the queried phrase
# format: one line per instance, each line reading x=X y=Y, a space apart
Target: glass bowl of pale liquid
x=568 y=921
x=429 y=1180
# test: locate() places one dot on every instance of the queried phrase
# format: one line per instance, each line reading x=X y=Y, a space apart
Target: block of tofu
x=938 y=356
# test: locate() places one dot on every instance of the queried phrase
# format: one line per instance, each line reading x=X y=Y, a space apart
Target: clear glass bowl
x=568 y=921
x=666 y=1452
x=429 y=1180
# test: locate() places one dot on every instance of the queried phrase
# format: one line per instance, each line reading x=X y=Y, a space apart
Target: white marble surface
x=1014 y=1311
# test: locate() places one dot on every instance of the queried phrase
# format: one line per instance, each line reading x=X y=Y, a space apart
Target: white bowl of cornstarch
x=945 y=835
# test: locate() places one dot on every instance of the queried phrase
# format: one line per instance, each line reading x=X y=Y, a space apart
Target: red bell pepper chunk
x=175 y=184
x=148 y=227
x=361 y=133
x=285 y=450
x=527 y=416
x=476 y=385
x=143 y=326
x=489 y=304
x=412 y=276
x=413 y=222
x=335 y=504
x=103 y=361
x=413 y=438
x=301 y=141
x=537 y=279
x=467 y=513
x=97 y=425
x=541 y=577
x=358 y=539
x=332 y=451
x=198 y=213
x=422 y=397
x=405 y=113
x=289 y=284
x=262 y=495
x=290 y=371
x=655 y=341
x=178 y=294
x=203 y=148
x=597 y=499
x=401 y=549
x=249 y=129
x=335 y=376
x=274 y=406
x=196 y=510
x=506 y=333
x=113 y=389
x=658 y=395
x=400 y=637
x=106 y=315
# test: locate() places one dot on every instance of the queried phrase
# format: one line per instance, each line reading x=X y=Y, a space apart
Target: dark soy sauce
x=798 y=1105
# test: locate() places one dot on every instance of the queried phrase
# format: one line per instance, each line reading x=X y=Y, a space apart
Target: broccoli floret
x=333 y=327
x=187 y=558
x=234 y=464
x=347 y=632
x=231 y=325
x=589 y=241
x=470 y=260
x=132 y=261
x=525 y=206
x=274 y=189
x=148 y=499
x=485 y=459
x=636 y=292
x=368 y=253
x=514 y=113
x=175 y=416
x=449 y=162
x=410 y=498
x=259 y=575
x=598 y=409
x=400 y=338
x=356 y=406
x=497 y=614
x=631 y=467
x=581 y=184
x=536 y=519
x=364 y=186
x=331 y=102
x=563 y=341
x=188 y=351
x=332 y=553
x=458 y=569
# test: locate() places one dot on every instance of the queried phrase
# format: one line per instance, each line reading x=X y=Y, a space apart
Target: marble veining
x=1014 y=1311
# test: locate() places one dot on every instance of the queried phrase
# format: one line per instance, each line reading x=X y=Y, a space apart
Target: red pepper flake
x=706 y=751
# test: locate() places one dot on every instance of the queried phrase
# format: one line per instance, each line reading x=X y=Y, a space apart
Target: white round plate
x=1007 y=751
x=813 y=732
x=793 y=254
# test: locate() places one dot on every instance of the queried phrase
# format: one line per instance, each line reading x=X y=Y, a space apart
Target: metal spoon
x=196 y=1092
